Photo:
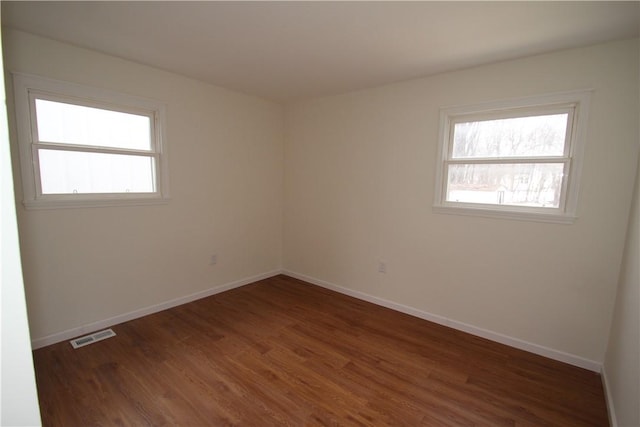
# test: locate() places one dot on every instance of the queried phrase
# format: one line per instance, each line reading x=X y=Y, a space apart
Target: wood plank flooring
x=283 y=352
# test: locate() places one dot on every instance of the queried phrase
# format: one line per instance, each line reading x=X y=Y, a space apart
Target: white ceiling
x=291 y=50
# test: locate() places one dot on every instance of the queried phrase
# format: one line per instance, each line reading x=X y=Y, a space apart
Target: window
x=82 y=146
x=514 y=159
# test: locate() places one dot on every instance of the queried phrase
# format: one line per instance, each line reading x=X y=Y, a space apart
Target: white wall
x=18 y=394
x=225 y=164
x=358 y=187
x=622 y=363
x=359 y=183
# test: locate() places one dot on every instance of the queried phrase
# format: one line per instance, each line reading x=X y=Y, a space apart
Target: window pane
x=529 y=184
x=69 y=172
x=516 y=137
x=79 y=125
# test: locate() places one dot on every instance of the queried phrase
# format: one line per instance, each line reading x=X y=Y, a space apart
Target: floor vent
x=91 y=338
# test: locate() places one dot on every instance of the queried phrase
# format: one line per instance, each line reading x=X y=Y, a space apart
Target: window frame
x=28 y=88
x=576 y=103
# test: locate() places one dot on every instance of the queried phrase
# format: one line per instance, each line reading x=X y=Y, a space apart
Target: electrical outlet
x=382 y=267
x=213 y=260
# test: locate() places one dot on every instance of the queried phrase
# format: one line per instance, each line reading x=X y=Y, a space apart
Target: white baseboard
x=611 y=410
x=461 y=326
x=91 y=327
x=441 y=320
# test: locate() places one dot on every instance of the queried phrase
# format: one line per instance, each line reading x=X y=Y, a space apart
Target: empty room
x=320 y=213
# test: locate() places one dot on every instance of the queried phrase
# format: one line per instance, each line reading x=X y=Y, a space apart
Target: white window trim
x=574 y=152
x=26 y=85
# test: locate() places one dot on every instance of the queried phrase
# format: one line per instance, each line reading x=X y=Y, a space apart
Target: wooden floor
x=283 y=352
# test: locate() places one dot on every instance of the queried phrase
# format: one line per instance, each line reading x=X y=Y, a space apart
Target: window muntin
x=515 y=159
x=82 y=146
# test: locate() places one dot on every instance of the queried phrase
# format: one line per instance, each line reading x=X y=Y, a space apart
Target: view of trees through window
x=513 y=161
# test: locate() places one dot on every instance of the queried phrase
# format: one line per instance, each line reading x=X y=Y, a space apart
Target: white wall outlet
x=382 y=267
x=213 y=260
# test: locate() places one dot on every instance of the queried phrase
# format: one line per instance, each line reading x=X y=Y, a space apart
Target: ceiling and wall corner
x=287 y=51
x=324 y=165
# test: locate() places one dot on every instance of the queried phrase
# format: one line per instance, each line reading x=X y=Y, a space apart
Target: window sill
x=506 y=214
x=41 y=204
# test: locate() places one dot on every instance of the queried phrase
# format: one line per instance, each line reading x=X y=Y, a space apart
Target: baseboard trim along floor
x=106 y=323
x=441 y=320
x=461 y=326
x=283 y=351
